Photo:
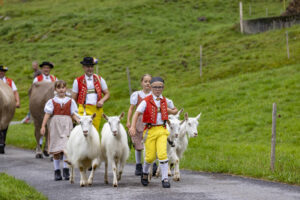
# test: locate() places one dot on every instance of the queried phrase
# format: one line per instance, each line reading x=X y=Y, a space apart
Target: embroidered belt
x=91 y=91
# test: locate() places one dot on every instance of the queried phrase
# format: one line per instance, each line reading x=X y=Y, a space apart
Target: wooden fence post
x=129 y=81
x=287 y=44
x=241 y=17
x=250 y=10
x=200 y=60
x=273 y=145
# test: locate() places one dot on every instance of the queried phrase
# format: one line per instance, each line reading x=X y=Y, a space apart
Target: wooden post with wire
x=273 y=141
x=287 y=44
x=200 y=60
x=241 y=17
x=129 y=81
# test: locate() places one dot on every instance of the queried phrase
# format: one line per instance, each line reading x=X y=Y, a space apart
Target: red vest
x=65 y=109
x=150 y=113
x=9 y=82
x=41 y=77
x=82 y=88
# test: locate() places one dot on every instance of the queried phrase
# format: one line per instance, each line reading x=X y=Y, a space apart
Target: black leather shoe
x=154 y=169
x=138 y=169
x=165 y=183
x=66 y=173
x=144 y=179
x=2 y=149
x=46 y=153
x=57 y=175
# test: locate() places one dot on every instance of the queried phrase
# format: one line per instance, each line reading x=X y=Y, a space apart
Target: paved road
x=194 y=185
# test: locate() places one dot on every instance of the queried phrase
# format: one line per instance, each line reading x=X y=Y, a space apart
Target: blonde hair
x=60 y=84
x=144 y=76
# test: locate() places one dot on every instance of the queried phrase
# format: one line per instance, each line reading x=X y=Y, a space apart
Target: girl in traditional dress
x=135 y=99
x=62 y=109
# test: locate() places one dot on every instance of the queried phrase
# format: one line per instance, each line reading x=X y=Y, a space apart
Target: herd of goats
x=85 y=149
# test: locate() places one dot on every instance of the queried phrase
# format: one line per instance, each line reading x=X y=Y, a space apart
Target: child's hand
x=100 y=104
x=43 y=130
x=128 y=125
x=132 y=131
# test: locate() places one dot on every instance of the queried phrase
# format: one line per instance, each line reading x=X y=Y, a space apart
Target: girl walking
x=135 y=99
x=61 y=109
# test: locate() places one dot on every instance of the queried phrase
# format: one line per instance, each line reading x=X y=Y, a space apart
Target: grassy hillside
x=243 y=74
x=13 y=189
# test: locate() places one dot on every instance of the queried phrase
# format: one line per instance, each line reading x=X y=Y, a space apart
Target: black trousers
x=3 y=136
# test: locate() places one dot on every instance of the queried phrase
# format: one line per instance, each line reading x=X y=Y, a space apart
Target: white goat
x=114 y=147
x=83 y=149
x=188 y=128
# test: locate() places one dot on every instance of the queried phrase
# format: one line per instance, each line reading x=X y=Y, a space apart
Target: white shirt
x=90 y=99
x=49 y=107
x=134 y=96
x=13 y=85
x=141 y=108
x=45 y=78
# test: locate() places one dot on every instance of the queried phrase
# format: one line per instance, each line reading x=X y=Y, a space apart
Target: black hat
x=88 y=61
x=3 y=68
x=47 y=63
x=157 y=79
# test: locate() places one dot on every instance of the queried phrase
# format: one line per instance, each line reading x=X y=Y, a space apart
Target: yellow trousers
x=156 y=144
x=90 y=110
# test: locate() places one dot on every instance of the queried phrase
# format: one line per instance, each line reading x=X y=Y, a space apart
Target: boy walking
x=155 y=109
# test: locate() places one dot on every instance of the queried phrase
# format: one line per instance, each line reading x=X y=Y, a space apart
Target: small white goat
x=188 y=128
x=114 y=147
x=83 y=149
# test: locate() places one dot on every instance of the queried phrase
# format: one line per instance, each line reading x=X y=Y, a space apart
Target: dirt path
x=194 y=185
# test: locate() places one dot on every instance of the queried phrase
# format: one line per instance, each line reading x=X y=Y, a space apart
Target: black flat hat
x=88 y=61
x=3 y=68
x=47 y=63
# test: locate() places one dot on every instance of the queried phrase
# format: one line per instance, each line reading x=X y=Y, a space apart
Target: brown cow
x=39 y=94
x=7 y=111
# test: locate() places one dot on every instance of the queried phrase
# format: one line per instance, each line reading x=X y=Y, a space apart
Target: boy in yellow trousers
x=155 y=109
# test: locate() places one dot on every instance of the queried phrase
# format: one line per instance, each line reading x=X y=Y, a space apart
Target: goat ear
x=168 y=122
x=122 y=115
x=105 y=117
x=186 y=116
x=94 y=115
x=198 y=116
x=179 y=112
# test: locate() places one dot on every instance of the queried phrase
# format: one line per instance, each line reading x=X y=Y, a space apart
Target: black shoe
x=165 y=183
x=66 y=173
x=90 y=169
x=46 y=153
x=57 y=175
x=2 y=149
x=138 y=169
x=144 y=179
x=154 y=169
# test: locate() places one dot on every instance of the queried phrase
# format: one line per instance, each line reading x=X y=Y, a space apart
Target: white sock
x=164 y=170
x=138 y=156
x=146 y=167
x=65 y=164
x=56 y=164
x=41 y=140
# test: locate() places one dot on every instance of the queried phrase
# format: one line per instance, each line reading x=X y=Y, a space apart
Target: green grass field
x=243 y=74
x=13 y=189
